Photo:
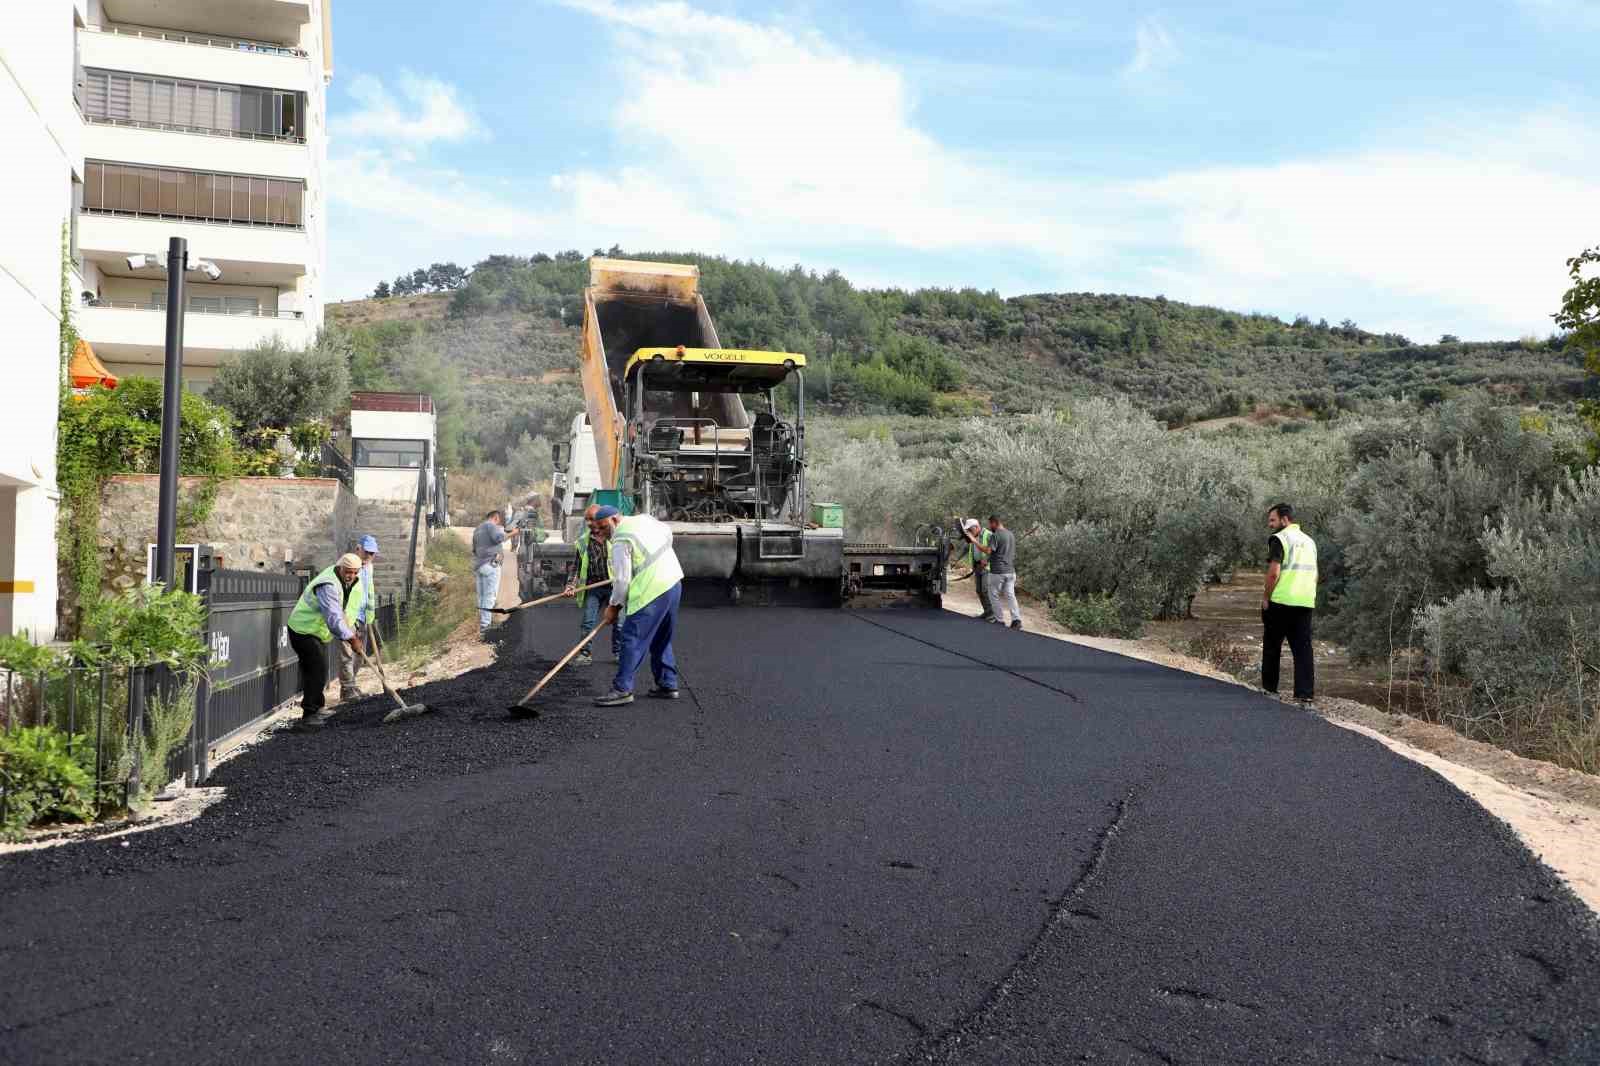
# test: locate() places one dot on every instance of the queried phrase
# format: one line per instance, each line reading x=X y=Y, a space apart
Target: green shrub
x=274 y=386
x=1095 y=615
x=46 y=775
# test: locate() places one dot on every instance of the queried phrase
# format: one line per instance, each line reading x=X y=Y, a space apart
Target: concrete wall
x=42 y=133
x=256 y=523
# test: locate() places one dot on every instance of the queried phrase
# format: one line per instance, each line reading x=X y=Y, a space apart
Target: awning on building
x=86 y=371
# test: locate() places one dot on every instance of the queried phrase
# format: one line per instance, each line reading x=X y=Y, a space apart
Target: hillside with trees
x=498 y=345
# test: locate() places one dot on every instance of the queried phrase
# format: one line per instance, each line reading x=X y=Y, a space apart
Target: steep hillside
x=507 y=339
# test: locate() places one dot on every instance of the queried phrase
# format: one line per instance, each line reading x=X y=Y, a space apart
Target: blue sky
x=1421 y=166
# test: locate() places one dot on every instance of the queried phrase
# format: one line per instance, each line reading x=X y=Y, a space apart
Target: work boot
x=613 y=698
x=989 y=618
x=1016 y=623
x=347 y=695
x=315 y=719
x=659 y=693
x=585 y=657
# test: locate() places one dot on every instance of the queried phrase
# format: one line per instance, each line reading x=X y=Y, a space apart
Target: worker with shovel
x=593 y=565
x=328 y=607
x=646 y=587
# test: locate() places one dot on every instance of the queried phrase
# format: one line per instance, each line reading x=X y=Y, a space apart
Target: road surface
x=892 y=836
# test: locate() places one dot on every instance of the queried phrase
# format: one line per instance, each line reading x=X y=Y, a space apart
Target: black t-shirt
x=1274 y=550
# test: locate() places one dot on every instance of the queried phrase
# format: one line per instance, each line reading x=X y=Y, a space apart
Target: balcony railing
x=233 y=44
x=135 y=305
x=173 y=127
x=293 y=226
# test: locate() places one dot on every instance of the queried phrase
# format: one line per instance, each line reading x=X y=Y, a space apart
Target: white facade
x=178 y=97
x=86 y=84
x=42 y=134
x=383 y=469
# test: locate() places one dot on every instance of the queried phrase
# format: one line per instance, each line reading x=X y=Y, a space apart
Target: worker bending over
x=328 y=608
x=646 y=583
x=593 y=565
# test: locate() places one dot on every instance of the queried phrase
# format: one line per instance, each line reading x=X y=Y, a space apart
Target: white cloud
x=437 y=112
x=763 y=141
x=1154 y=48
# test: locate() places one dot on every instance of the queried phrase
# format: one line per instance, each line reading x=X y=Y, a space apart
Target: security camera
x=139 y=262
x=135 y=262
x=209 y=269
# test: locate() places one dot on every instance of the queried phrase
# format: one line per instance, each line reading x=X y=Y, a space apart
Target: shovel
x=402 y=708
x=520 y=709
x=547 y=599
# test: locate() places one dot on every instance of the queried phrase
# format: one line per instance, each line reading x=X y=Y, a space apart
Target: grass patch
x=437 y=613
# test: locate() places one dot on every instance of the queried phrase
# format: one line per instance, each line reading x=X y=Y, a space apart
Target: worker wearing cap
x=647 y=584
x=594 y=565
x=367 y=550
x=980 y=565
x=327 y=609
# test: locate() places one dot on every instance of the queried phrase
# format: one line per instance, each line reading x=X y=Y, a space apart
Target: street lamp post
x=176 y=261
x=171 y=414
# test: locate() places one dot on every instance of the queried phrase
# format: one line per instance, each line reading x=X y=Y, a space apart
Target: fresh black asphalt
x=889 y=836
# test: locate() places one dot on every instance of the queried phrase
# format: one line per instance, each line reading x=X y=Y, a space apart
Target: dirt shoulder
x=1553 y=810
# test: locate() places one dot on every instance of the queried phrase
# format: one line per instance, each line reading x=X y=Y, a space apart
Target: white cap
x=969 y=523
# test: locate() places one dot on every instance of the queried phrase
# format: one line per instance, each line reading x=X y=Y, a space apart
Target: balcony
x=276 y=22
x=128 y=334
x=248 y=254
x=192 y=148
x=172 y=54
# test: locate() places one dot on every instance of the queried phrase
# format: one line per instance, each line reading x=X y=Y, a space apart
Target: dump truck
x=712 y=441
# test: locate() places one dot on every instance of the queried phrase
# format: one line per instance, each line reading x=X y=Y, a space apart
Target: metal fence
x=253 y=672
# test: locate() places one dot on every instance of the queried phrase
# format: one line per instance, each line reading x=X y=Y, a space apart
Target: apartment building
x=203 y=120
x=127 y=122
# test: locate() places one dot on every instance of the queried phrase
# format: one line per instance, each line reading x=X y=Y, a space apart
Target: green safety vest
x=975 y=558
x=306 y=618
x=1297 y=574
x=583 y=566
x=655 y=567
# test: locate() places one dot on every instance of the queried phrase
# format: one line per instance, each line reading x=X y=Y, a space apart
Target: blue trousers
x=594 y=602
x=650 y=630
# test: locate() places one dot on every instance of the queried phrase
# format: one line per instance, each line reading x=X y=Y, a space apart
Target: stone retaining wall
x=256 y=523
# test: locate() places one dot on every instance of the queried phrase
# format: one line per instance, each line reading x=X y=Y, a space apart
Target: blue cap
x=606 y=512
x=369 y=543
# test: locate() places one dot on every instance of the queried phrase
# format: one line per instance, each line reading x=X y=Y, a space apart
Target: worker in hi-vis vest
x=327 y=609
x=980 y=566
x=1287 y=601
x=647 y=584
x=593 y=565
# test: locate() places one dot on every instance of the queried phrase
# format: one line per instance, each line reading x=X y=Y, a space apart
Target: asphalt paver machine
x=712 y=441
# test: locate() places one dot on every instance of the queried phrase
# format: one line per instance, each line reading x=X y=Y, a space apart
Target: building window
x=197 y=106
x=163 y=192
x=390 y=454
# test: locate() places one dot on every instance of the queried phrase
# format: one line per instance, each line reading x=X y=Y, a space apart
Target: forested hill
x=511 y=323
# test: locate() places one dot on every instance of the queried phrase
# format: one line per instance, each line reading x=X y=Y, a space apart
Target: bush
x=274 y=386
x=1095 y=615
x=46 y=775
x=1515 y=662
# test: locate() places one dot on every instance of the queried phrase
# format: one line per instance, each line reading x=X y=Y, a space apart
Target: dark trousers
x=313 y=669
x=1294 y=623
x=650 y=632
x=979 y=578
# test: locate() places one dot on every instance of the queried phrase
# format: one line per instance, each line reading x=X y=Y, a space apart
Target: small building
x=393 y=436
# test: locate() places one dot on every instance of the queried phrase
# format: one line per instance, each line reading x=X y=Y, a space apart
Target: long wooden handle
x=550 y=598
x=386 y=686
x=556 y=669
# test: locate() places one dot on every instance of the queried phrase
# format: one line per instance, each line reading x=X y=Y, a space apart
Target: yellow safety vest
x=306 y=618
x=655 y=566
x=1297 y=574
